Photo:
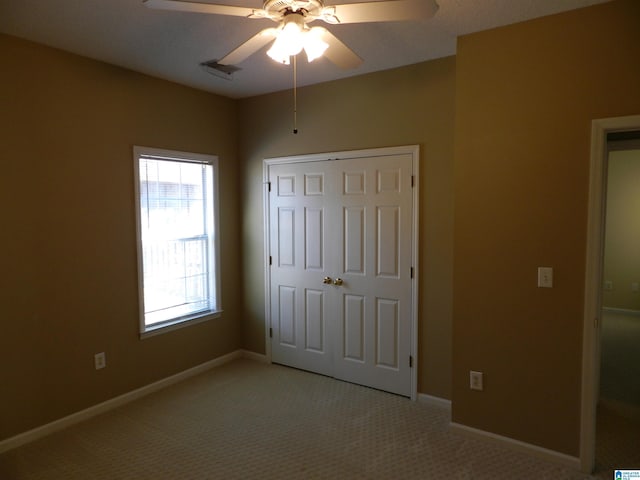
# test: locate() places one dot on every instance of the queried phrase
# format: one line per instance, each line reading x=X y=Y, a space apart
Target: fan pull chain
x=295 y=94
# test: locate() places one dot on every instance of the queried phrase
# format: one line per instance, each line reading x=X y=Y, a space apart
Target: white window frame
x=139 y=153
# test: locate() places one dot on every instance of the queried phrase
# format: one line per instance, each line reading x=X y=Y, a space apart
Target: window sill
x=152 y=331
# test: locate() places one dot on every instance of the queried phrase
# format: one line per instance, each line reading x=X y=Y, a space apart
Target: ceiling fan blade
x=385 y=11
x=198 y=7
x=338 y=52
x=249 y=47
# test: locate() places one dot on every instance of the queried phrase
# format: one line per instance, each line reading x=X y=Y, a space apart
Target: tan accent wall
x=622 y=236
x=68 y=282
x=525 y=96
x=410 y=105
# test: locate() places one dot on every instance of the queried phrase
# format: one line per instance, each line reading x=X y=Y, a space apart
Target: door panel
x=387 y=244
x=313 y=235
x=287 y=318
x=353 y=182
x=352 y=220
x=286 y=237
x=354 y=239
x=314 y=320
x=298 y=296
x=381 y=240
x=353 y=328
x=387 y=333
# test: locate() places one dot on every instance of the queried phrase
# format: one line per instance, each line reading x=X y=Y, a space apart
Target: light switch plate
x=100 y=360
x=545 y=277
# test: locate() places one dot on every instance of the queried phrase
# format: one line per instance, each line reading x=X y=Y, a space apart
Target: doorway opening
x=603 y=356
x=618 y=410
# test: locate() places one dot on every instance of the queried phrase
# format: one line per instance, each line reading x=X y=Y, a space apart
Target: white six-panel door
x=298 y=232
x=340 y=242
x=373 y=337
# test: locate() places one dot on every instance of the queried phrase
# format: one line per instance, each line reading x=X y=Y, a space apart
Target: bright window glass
x=177 y=237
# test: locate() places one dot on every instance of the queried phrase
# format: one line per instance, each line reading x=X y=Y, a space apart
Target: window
x=178 y=258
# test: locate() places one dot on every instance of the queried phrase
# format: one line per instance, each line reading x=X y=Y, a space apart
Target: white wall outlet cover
x=545 y=277
x=475 y=380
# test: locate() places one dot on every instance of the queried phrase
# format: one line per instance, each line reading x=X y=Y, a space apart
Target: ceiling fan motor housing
x=278 y=9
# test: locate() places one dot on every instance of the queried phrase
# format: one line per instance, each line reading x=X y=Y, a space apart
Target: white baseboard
x=435 y=401
x=120 y=400
x=517 y=445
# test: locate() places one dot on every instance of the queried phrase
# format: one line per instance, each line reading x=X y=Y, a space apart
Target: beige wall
x=525 y=96
x=68 y=287
x=622 y=238
x=411 y=105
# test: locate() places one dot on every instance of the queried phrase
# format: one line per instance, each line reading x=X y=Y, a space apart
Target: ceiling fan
x=292 y=35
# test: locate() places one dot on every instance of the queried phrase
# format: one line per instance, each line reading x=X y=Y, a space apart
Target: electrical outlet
x=545 y=277
x=100 y=360
x=475 y=380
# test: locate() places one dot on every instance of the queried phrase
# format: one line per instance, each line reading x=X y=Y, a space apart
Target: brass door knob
x=338 y=281
x=327 y=280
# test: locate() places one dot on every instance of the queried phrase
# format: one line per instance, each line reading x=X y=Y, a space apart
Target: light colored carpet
x=248 y=420
x=617 y=440
x=618 y=425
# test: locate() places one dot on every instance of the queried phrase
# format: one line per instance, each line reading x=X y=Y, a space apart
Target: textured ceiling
x=171 y=45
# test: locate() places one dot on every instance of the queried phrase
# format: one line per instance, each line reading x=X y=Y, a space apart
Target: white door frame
x=414 y=151
x=593 y=281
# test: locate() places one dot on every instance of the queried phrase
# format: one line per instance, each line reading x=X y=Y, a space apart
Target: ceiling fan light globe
x=277 y=54
x=291 y=38
x=314 y=45
x=314 y=53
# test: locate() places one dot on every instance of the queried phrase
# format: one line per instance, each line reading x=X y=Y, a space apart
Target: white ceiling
x=171 y=45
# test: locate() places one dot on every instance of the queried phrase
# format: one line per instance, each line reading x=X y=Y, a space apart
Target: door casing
x=414 y=151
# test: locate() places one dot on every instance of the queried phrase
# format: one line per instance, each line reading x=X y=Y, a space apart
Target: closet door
x=340 y=277
x=298 y=227
x=373 y=331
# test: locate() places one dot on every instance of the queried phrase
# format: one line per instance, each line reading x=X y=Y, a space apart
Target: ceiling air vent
x=222 y=71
